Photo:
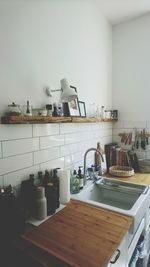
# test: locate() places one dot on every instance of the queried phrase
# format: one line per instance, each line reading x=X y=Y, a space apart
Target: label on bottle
x=81 y=183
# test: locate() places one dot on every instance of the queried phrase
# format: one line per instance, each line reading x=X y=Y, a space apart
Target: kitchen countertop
x=138 y=178
x=80 y=235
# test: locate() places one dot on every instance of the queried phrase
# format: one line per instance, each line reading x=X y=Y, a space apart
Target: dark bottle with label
x=55 y=111
x=28 y=109
x=27 y=195
x=46 y=178
x=56 y=186
x=51 y=197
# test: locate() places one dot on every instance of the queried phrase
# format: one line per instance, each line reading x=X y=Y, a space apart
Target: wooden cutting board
x=80 y=235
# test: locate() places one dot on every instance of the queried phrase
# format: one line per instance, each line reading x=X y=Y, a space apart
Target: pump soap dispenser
x=80 y=176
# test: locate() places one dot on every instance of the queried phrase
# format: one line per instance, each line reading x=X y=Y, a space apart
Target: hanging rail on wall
x=136 y=138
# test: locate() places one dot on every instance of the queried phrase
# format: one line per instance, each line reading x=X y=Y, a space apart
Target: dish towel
x=139 y=252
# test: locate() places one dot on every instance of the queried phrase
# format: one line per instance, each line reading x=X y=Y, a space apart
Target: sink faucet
x=90 y=149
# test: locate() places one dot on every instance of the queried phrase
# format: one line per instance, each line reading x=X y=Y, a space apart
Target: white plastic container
x=64 y=185
x=102 y=115
x=40 y=203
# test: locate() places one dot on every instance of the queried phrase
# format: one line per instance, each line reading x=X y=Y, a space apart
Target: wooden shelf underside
x=46 y=119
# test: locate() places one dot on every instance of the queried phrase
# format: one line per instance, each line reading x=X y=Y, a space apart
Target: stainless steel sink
x=123 y=197
x=116 y=194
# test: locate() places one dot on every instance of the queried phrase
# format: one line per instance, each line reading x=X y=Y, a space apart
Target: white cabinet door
x=119 y=259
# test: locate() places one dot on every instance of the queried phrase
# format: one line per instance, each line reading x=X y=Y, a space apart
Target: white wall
x=131 y=65
x=131 y=78
x=45 y=41
x=41 y=43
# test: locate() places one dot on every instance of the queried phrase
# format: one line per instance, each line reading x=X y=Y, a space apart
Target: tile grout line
x=2 y=149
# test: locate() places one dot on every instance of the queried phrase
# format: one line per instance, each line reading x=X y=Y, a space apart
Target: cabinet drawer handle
x=117 y=257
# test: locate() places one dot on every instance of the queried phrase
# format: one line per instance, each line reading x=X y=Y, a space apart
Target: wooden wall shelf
x=46 y=119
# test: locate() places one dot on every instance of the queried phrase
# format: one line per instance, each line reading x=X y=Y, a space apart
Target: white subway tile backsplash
x=1 y=181
x=68 y=128
x=15 y=178
x=141 y=154
x=72 y=138
x=46 y=155
x=52 y=164
x=20 y=146
x=96 y=135
x=116 y=139
x=10 y=132
x=148 y=124
x=51 y=141
x=77 y=137
x=45 y=129
x=0 y=149
x=147 y=154
x=84 y=127
x=129 y=127
x=148 y=148
x=15 y=163
x=106 y=140
x=118 y=124
x=74 y=128
x=134 y=124
x=26 y=149
x=107 y=125
x=119 y=130
x=68 y=149
x=96 y=126
x=74 y=148
x=106 y=132
x=71 y=159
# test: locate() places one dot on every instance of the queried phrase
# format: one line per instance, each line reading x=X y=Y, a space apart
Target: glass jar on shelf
x=102 y=114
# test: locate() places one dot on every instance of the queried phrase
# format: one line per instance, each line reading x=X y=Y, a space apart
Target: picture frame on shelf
x=71 y=108
x=82 y=109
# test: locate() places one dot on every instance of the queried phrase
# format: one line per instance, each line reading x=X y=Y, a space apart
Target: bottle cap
x=74 y=172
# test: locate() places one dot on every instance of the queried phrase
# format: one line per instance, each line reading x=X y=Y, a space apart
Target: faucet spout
x=85 y=155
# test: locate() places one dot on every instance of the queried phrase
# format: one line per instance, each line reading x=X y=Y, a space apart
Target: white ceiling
x=118 y=11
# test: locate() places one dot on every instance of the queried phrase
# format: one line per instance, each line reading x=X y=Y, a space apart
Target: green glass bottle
x=74 y=183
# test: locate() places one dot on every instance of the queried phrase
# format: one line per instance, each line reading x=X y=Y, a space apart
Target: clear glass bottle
x=39 y=179
x=56 y=186
x=60 y=109
x=102 y=112
x=49 y=108
x=28 y=109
